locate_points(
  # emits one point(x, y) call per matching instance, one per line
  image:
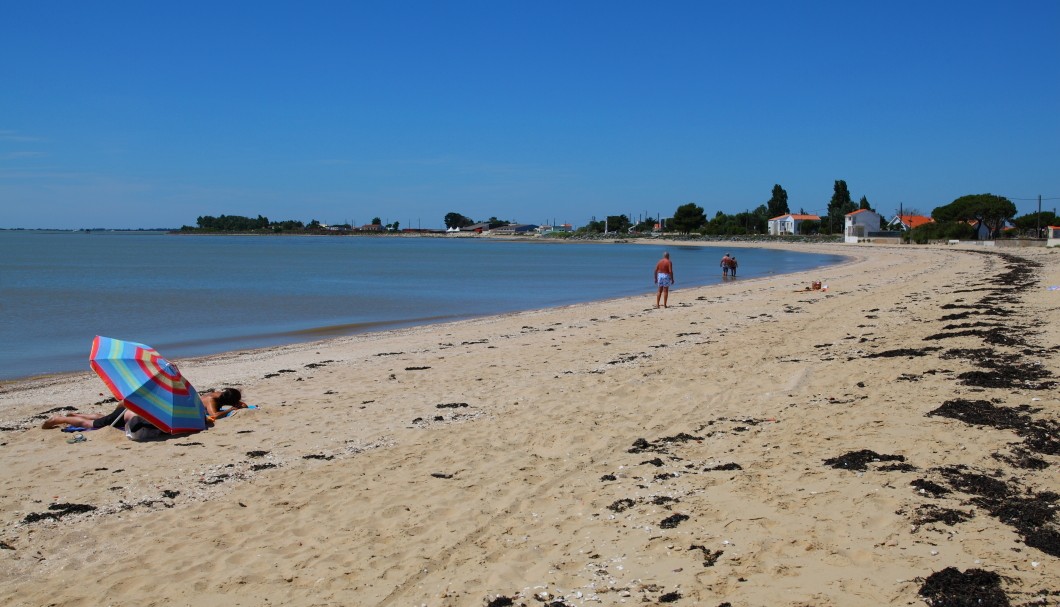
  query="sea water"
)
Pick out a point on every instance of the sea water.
point(194, 295)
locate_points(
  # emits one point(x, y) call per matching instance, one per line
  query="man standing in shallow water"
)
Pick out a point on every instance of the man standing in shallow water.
point(664, 277)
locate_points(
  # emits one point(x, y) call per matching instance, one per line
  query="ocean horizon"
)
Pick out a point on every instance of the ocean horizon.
point(195, 295)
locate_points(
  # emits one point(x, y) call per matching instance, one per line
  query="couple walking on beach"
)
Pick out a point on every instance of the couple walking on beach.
point(728, 264)
point(664, 275)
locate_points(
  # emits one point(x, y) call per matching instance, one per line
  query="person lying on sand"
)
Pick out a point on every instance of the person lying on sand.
point(213, 401)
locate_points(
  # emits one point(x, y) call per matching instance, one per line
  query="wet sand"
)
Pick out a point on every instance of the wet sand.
point(891, 440)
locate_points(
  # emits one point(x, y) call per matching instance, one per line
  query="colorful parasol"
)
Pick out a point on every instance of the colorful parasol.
point(148, 385)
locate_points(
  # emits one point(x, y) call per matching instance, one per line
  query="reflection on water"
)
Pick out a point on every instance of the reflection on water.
point(194, 295)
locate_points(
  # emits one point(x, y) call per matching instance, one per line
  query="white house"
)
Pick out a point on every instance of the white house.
point(563, 227)
point(1052, 233)
point(859, 224)
point(789, 224)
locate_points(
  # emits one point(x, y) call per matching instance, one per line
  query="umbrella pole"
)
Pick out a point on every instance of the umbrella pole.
point(114, 424)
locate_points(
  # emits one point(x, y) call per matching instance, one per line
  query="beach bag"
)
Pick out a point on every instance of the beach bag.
point(138, 429)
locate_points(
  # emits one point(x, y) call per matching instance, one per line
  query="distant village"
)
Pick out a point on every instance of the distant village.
point(977, 217)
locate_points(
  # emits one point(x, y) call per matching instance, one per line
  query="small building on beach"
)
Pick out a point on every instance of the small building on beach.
point(1052, 235)
point(857, 226)
point(513, 228)
point(788, 224)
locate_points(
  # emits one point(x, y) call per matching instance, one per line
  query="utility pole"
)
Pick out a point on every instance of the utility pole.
point(1038, 229)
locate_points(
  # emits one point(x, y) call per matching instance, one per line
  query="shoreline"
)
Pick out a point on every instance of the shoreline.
point(339, 331)
point(599, 453)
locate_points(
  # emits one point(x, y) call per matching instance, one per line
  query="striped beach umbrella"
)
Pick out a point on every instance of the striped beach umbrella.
point(148, 385)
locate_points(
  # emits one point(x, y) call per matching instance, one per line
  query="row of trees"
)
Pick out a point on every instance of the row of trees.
point(457, 220)
point(968, 217)
point(689, 218)
point(239, 223)
point(964, 218)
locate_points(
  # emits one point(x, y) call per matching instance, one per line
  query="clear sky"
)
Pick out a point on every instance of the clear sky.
point(145, 114)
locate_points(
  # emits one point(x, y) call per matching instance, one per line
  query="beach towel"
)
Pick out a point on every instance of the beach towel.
point(228, 411)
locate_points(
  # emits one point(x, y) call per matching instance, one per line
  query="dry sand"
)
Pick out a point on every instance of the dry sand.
point(607, 454)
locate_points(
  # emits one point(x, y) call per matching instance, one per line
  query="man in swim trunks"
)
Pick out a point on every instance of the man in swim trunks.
point(726, 262)
point(664, 277)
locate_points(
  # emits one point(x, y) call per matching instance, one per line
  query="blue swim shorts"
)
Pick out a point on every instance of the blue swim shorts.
point(665, 280)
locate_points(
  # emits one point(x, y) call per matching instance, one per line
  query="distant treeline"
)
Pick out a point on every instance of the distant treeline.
point(238, 223)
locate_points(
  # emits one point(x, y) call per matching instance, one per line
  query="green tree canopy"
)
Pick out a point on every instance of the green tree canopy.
point(232, 223)
point(688, 218)
point(618, 223)
point(778, 203)
point(1033, 221)
point(984, 209)
point(456, 220)
point(840, 205)
point(494, 222)
point(376, 221)
point(864, 204)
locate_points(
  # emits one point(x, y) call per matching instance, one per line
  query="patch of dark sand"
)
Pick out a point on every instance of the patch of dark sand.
point(1021, 458)
point(58, 511)
point(709, 558)
point(664, 500)
point(1032, 514)
point(910, 352)
point(970, 325)
point(1039, 435)
point(673, 521)
point(929, 487)
point(859, 460)
point(951, 588)
point(900, 467)
point(723, 467)
point(995, 336)
point(929, 513)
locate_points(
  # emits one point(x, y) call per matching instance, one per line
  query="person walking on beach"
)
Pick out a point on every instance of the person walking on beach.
point(725, 264)
point(664, 277)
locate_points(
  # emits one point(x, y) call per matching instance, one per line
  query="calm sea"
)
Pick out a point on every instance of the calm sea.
point(195, 295)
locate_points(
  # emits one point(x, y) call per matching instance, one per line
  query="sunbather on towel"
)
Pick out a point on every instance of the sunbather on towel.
point(214, 401)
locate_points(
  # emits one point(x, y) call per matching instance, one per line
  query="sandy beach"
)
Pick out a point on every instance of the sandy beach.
point(755, 443)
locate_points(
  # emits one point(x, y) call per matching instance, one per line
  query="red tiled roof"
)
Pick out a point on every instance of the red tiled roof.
point(915, 220)
point(797, 216)
point(860, 211)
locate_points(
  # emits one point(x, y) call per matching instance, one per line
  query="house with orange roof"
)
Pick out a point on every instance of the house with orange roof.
point(788, 224)
point(860, 224)
point(908, 222)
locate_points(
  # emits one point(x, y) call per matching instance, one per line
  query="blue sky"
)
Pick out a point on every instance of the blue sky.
point(148, 114)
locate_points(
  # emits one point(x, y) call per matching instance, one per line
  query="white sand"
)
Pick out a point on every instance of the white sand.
point(407, 503)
